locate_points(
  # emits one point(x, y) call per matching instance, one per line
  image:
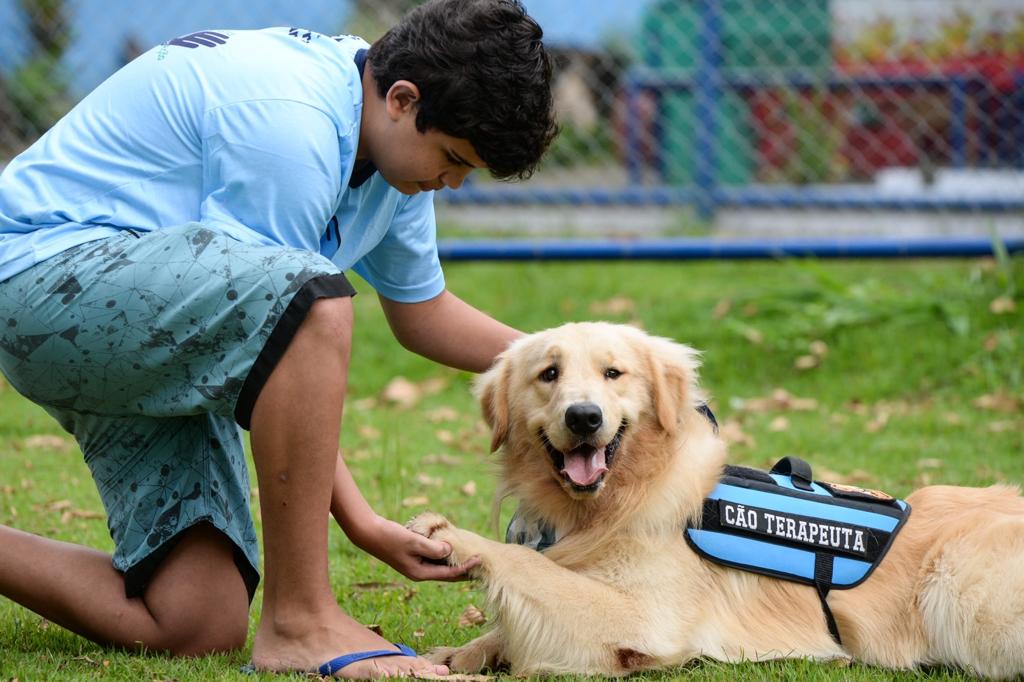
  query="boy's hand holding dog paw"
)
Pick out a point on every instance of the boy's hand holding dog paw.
point(412, 554)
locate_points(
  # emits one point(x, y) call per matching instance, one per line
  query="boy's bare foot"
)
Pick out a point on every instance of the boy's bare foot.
point(305, 646)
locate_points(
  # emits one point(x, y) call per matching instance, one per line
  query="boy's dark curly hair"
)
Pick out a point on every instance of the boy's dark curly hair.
point(483, 76)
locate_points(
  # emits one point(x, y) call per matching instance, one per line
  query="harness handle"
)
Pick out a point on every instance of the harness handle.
point(798, 471)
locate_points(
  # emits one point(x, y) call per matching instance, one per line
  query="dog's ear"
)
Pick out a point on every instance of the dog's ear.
point(673, 371)
point(492, 391)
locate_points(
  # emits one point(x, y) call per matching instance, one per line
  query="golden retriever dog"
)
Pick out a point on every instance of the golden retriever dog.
point(601, 439)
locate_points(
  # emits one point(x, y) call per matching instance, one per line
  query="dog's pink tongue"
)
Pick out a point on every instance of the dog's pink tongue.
point(584, 465)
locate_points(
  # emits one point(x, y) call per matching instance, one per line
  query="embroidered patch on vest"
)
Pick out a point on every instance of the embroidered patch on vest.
point(841, 538)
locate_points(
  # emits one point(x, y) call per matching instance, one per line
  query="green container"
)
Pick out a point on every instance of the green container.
point(757, 36)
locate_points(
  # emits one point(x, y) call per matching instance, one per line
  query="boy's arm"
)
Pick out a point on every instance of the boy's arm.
point(409, 553)
point(448, 330)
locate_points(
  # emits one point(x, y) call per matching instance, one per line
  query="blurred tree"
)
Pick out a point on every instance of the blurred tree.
point(34, 95)
point(370, 19)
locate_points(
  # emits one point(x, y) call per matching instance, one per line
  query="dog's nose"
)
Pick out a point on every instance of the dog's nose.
point(583, 418)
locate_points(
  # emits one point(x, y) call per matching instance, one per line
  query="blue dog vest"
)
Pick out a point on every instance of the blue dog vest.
point(782, 524)
point(786, 525)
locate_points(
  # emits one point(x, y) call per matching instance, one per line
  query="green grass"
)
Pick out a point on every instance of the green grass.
point(911, 347)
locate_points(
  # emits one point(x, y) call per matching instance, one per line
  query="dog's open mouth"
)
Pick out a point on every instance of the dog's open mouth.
point(584, 466)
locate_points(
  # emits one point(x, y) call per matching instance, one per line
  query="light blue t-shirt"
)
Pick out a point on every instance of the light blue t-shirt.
point(252, 133)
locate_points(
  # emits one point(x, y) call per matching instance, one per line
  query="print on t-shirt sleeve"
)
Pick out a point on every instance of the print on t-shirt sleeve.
point(204, 38)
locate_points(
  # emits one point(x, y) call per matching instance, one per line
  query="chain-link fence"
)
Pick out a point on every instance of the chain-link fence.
point(723, 114)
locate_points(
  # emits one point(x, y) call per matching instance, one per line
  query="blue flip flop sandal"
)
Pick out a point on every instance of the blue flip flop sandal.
point(335, 664)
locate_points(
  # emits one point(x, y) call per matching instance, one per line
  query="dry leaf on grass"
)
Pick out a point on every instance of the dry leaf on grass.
point(619, 305)
point(805, 362)
point(373, 585)
point(426, 479)
point(985, 472)
point(875, 425)
point(731, 432)
point(472, 616)
point(364, 404)
point(825, 474)
point(818, 348)
point(930, 463)
point(400, 391)
point(446, 460)
point(404, 393)
point(58, 505)
point(433, 385)
point(1001, 426)
point(753, 335)
point(857, 407)
point(854, 477)
point(47, 442)
point(442, 414)
point(952, 418)
point(1002, 305)
point(445, 436)
point(780, 400)
point(860, 476)
point(997, 402)
point(418, 501)
point(779, 424)
point(469, 489)
point(991, 342)
point(453, 677)
point(878, 423)
point(368, 432)
point(722, 309)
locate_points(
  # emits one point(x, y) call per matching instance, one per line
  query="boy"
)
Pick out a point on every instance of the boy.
point(171, 258)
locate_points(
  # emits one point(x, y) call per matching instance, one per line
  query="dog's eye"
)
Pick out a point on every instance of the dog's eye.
point(549, 374)
point(612, 373)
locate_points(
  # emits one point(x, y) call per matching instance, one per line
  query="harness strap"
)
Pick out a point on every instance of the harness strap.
point(822, 584)
point(797, 469)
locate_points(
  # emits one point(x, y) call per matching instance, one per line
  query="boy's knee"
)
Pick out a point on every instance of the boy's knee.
point(193, 627)
point(198, 598)
point(207, 633)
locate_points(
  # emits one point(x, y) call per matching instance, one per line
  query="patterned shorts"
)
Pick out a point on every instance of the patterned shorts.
point(152, 349)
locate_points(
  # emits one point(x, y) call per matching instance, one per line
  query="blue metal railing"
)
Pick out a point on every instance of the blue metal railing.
point(750, 196)
point(705, 249)
point(707, 82)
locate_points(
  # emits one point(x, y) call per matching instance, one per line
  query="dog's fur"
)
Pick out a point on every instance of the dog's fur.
point(622, 590)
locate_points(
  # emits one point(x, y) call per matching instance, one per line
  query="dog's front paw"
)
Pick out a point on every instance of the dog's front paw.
point(464, 544)
point(480, 655)
point(428, 524)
